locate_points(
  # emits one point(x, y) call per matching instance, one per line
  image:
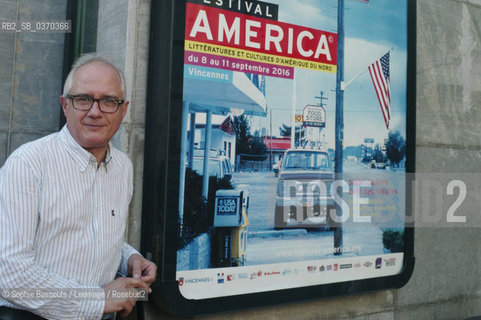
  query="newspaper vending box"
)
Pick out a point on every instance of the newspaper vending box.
point(230, 223)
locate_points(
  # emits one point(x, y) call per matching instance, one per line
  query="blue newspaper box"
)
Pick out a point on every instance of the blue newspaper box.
point(228, 208)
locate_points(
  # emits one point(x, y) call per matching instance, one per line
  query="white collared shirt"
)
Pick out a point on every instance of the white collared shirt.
point(62, 223)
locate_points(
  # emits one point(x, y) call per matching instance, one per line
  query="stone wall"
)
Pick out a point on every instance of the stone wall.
point(30, 74)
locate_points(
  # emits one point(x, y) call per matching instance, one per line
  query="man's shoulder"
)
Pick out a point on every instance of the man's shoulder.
point(40, 146)
point(120, 156)
point(33, 154)
point(117, 153)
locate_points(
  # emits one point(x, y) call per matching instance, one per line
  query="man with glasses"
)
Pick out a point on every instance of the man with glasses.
point(64, 202)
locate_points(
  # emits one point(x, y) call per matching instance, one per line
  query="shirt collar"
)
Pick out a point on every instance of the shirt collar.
point(78, 154)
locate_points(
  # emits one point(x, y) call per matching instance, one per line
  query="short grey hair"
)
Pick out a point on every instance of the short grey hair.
point(91, 58)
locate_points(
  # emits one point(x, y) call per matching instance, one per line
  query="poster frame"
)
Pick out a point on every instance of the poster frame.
point(161, 177)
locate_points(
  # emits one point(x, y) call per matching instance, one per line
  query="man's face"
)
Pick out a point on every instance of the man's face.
point(93, 129)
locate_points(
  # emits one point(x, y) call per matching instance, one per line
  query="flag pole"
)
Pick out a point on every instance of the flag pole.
point(344, 85)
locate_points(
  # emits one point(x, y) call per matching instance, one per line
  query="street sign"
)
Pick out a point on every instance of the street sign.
point(314, 116)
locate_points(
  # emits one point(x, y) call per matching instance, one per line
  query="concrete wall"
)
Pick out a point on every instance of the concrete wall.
point(123, 36)
point(30, 74)
point(196, 255)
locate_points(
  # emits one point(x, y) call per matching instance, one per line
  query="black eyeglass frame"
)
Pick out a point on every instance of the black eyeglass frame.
point(72, 96)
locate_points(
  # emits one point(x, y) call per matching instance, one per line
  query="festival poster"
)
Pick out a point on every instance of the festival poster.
point(279, 208)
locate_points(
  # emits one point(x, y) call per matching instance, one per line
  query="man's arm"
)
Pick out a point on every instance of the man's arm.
point(123, 285)
point(126, 252)
point(135, 265)
point(143, 269)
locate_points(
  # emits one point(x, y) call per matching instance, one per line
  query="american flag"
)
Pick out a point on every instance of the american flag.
point(380, 76)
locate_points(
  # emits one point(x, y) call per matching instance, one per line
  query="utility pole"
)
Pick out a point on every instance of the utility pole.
point(321, 99)
point(339, 132)
point(270, 137)
point(321, 104)
point(339, 90)
point(293, 116)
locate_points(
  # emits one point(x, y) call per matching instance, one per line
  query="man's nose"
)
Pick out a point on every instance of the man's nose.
point(95, 109)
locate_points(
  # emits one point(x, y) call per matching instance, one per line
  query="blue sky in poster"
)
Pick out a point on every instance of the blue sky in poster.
point(370, 30)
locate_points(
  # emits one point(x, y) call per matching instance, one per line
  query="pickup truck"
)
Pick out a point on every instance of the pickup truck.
point(303, 196)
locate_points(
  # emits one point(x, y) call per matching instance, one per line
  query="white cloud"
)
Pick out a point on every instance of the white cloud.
point(359, 54)
point(306, 13)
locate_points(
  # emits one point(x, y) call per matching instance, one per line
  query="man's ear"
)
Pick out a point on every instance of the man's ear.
point(63, 102)
point(125, 106)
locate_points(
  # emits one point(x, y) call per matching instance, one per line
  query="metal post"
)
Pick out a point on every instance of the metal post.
point(207, 137)
point(339, 114)
point(293, 122)
point(270, 137)
point(192, 140)
point(183, 148)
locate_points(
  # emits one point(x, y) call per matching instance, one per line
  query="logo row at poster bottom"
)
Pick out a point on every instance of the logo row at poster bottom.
point(221, 282)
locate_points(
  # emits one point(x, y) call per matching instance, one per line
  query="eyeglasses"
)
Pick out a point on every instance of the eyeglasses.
point(84, 103)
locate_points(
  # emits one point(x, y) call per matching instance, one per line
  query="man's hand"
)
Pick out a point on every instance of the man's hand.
point(141, 268)
point(122, 305)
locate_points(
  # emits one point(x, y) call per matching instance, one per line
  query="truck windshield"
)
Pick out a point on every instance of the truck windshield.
point(214, 167)
point(306, 160)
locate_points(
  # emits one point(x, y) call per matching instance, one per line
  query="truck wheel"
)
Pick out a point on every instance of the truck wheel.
point(329, 221)
point(279, 222)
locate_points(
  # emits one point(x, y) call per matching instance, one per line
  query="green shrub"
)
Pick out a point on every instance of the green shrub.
point(393, 240)
point(198, 213)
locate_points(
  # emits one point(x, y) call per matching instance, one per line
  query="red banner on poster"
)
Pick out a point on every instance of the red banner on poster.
point(276, 42)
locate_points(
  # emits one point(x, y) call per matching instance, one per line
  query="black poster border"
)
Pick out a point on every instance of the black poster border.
point(161, 177)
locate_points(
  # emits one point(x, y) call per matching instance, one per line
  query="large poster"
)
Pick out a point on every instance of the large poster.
point(294, 144)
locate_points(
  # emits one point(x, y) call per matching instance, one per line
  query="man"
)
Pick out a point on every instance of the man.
point(64, 202)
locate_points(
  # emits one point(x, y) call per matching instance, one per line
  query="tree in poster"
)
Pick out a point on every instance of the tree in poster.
point(198, 211)
point(246, 144)
point(377, 153)
point(395, 147)
point(242, 129)
point(257, 147)
point(285, 131)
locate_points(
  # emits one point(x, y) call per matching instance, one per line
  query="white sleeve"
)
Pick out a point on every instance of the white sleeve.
point(126, 251)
